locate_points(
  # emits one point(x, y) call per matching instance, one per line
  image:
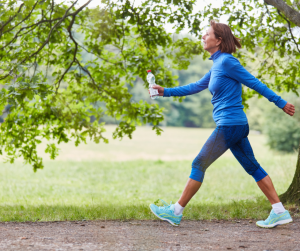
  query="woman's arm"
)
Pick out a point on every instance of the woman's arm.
point(235, 70)
point(189, 89)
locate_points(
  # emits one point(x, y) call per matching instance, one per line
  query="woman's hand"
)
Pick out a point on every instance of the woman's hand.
point(289, 109)
point(160, 90)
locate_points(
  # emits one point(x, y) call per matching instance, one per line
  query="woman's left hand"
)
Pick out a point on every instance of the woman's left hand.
point(289, 109)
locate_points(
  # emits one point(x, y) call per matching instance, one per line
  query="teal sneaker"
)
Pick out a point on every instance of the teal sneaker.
point(166, 213)
point(275, 220)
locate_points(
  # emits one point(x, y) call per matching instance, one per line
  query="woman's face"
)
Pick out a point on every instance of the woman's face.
point(210, 42)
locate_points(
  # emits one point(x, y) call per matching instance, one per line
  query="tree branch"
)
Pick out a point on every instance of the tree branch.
point(87, 72)
point(10, 19)
point(35, 68)
point(289, 12)
point(80, 9)
point(74, 56)
point(23, 19)
point(41, 22)
point(289, 29)
point(49, 35)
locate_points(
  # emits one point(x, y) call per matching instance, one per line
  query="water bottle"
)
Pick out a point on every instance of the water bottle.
point(151, 81)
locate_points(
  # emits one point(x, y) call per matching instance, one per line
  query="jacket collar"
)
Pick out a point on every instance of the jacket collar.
point(215, 55)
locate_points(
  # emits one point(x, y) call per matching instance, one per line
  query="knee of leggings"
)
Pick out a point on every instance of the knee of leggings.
point(196, 163)
point(197, 174)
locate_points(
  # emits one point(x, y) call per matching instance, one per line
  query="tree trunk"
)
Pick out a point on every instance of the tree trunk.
point(288, 11)
point(292, 195)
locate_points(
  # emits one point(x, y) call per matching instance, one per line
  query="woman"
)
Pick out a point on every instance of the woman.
point(224, 82)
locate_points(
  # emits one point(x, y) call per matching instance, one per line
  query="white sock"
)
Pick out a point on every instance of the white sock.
point(178, 209)
point(278, 208)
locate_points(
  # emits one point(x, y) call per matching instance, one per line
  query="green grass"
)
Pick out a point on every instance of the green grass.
point(97, 188)
point(244, 209)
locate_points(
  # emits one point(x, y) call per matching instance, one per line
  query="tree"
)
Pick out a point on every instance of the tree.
point(270, 32)
point(53, 92)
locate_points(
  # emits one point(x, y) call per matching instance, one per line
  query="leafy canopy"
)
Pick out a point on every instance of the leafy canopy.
point(53, 91)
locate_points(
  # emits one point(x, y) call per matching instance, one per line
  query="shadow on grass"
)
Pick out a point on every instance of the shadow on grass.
point(242, 209)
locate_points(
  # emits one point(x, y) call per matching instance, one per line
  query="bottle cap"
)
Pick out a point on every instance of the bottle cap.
point(148, 70)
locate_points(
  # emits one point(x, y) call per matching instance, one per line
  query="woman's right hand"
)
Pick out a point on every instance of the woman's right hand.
point(289, 109)
point(160, 90)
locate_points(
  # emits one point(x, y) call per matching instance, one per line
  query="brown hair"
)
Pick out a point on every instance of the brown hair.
point(228, 42)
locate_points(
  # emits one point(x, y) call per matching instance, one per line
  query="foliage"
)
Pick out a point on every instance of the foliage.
point(38, 40)
point(283, 135)
point(41, 41)
point(265, 117)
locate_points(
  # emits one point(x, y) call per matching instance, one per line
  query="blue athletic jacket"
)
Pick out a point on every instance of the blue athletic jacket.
point(224, 83)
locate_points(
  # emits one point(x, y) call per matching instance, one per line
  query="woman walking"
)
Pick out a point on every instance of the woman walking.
point(224, 82)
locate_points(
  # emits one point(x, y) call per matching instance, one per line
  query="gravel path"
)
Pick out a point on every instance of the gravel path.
point(147, 235)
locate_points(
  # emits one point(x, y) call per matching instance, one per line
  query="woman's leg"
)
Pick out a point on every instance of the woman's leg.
point(218, 143)
point(243, 152)
point(268, 189)
point(222, 138)
point(213, 148)
point(191, 187)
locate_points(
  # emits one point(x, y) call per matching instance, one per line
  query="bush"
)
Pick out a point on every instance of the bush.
point(283, 135)
point(283, 131)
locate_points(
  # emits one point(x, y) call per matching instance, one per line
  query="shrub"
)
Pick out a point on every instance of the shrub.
point(283, 131)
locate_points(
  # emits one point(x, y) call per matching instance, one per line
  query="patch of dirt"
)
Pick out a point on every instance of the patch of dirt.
point(147, 235)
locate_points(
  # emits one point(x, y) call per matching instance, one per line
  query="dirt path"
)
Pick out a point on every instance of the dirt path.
point(147, 235)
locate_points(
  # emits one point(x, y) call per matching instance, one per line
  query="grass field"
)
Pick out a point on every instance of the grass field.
point(120, 180)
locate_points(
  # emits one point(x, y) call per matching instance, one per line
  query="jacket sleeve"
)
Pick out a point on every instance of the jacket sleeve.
point(189, 89)
point(236, 71)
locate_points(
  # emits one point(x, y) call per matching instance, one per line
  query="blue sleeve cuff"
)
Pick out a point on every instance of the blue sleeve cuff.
point(281, 103)
point(167, 92)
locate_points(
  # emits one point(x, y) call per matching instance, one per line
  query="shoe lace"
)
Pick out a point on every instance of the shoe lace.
point(166, 205)
point(267, 220)
point(269, 217)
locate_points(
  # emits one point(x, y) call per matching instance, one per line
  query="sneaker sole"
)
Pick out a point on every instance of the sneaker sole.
point(282, 222)
point(172, 223)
